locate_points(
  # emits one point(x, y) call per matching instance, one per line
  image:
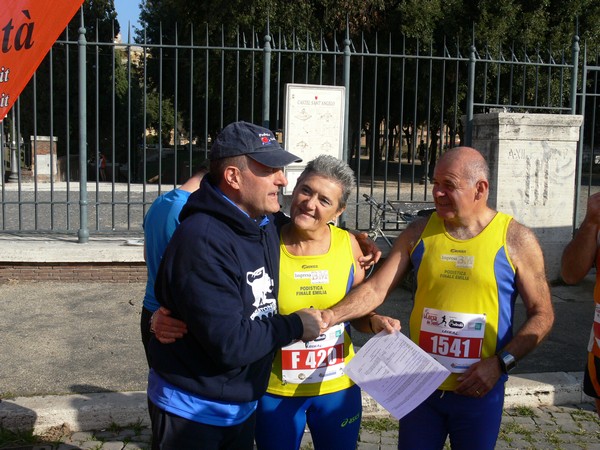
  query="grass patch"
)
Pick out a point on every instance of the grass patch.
point(137, 427)
point(52, 436)
point(524, 411)
point(513, 428)
point(580, 414)
point(114, 428)
point(7, 395)
point(378, 425)
point(552, 438)
point(9, 438)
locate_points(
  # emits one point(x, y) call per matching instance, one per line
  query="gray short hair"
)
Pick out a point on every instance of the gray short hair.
point(335, 169)
point(217, 166)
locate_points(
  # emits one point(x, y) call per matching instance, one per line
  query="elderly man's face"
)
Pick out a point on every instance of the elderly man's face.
point(454, 195)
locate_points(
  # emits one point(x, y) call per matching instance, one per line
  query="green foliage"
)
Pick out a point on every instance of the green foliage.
point(100, 21)
point(524, 411)
point(10, 438)
point(420, 19)
point(160, 116)
point(525, 26)
point(540, 23)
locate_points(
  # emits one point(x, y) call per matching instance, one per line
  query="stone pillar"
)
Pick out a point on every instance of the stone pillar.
point(43, 151)
point(532, 160)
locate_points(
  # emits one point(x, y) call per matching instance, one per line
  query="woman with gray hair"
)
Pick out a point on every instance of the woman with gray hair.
point(318, 266)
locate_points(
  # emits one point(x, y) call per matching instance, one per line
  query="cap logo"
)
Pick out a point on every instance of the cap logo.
point(266, 138)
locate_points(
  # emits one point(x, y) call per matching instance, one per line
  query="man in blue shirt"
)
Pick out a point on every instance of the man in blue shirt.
point(160, 223)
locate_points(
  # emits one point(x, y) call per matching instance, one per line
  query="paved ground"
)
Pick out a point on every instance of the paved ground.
point(548, 427)
point(80, 343)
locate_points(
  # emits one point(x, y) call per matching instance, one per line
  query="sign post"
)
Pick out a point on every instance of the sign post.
point(314, 125)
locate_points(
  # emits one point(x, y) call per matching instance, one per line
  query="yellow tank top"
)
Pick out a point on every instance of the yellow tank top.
point(465, 295)
point(319, 281)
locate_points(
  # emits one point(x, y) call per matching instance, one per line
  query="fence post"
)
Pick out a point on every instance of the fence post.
point(470, 96)
point(84, 232)
point(266, 119)
point(347, 42)
point(575, 74)
point(345, 149)
point(15, 149)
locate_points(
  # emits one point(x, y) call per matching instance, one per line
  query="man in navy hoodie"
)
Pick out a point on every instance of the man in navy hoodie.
point(219, 274)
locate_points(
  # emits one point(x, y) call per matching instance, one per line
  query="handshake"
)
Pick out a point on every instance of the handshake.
point(315, 322)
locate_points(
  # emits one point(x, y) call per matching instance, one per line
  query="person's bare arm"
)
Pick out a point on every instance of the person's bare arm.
point(526, 255)
point(370, 294)
point(370, 252)
point(372, 322)
point(579, 254)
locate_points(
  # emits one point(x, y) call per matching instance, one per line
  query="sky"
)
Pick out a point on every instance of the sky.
point(127, 11)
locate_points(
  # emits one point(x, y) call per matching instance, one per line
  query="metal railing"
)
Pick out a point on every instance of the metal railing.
point(153, 108)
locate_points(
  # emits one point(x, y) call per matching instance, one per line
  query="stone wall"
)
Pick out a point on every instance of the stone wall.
point(532, 160)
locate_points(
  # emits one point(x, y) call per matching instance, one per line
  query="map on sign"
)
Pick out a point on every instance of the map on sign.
point(314, 125)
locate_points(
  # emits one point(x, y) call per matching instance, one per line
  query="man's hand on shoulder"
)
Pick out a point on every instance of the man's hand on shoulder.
point(166, 329)
point(371, 253)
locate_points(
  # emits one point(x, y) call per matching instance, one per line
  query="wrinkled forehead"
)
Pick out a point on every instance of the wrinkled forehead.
point(319, 182)
point(450, 168)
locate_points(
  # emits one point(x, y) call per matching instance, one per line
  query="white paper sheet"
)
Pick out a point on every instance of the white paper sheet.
point(396, 372)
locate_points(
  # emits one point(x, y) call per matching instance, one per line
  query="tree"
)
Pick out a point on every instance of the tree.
point(516, 28)
point(55, 84)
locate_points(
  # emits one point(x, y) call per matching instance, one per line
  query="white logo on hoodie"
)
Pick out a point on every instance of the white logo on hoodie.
point(262, 290)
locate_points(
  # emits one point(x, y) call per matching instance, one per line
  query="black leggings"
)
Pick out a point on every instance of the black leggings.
point(171, 432)
point(145, 329)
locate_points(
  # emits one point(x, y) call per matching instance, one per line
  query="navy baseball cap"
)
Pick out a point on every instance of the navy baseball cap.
point(244, 138)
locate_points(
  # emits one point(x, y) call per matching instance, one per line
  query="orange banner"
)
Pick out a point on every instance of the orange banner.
point(28, 28)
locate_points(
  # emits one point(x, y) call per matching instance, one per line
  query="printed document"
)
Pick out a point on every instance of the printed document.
point(396, 372)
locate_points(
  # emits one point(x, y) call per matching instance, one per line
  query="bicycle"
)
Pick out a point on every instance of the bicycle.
point(402, 213)
point(396, 213)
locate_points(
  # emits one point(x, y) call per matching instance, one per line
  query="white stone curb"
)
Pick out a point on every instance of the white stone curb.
point(84, 412)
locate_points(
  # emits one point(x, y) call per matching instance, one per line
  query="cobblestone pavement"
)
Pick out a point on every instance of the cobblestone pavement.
point(546, 427)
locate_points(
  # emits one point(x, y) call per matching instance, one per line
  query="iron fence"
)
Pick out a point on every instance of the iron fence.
point(150, 110)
